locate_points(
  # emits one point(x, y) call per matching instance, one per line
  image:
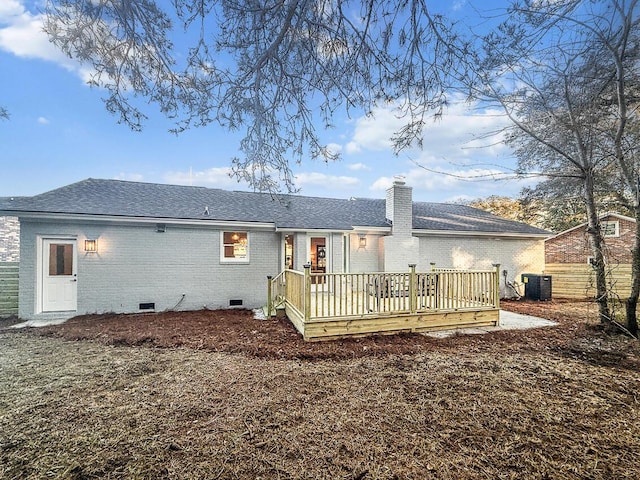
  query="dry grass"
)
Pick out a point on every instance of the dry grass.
point(511, 405)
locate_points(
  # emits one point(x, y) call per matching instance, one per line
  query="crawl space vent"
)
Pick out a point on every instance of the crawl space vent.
point(235, 303)
point(147, 306)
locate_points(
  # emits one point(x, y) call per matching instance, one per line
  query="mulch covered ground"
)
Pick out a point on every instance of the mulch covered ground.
point(221, 395)
point(237, 331)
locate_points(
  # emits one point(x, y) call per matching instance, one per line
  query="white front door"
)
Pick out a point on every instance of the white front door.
point(59, 275)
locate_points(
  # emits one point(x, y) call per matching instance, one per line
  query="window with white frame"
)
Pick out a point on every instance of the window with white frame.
point(610, 229)
point(235, 247)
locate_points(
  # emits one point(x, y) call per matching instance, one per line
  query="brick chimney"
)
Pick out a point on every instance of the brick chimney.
point(399, 206)
point(400, 248)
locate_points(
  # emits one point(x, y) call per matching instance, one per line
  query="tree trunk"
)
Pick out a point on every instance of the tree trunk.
point(595, 235)
point(632, 301)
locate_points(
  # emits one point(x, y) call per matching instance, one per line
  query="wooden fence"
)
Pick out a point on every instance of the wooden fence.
point(331, 305)
point(9, 288)
point(577, 280)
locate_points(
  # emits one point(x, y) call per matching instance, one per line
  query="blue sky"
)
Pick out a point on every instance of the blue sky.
point(60, 132)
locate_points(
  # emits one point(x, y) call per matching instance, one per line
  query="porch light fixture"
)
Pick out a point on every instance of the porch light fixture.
point(362, 240)
point(91, 246)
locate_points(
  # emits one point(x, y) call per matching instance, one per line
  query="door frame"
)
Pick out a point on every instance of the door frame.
point(328, 254)
point(41, 255)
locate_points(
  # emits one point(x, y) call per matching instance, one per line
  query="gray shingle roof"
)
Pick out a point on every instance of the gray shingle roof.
point(144, 200)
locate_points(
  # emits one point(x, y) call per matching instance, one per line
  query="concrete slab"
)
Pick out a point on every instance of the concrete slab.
point(517, 321)
point(508, 321)
point(39, 323)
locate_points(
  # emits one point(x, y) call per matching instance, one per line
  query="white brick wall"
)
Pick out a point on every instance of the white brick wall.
point(364, 259)
point(399, 252)
point(135, 264)
point(517, 256)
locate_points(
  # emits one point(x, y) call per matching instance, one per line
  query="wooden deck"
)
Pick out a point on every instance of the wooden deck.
point(335, 305)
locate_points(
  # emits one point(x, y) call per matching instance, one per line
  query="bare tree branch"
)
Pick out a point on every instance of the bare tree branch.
point(271, 69)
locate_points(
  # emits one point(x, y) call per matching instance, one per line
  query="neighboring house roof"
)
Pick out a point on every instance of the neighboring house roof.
point(116, 198)
point(584, 224)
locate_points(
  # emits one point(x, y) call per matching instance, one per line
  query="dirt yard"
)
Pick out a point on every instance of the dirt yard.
point(223, 395)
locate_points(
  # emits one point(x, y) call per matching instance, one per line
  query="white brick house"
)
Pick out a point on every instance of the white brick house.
point(113, 246)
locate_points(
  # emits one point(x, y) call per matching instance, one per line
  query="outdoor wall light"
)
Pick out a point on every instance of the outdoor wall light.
point(362, 240)
point(91, 246)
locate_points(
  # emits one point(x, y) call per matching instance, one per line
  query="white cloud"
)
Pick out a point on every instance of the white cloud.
point(332, 182)
point(43, 120)
point(353, 147)
point(458, 5)
point(358, 167)
point(334, 148)
point(373, 132)
point(21, 34)
point(382, 183)
point(212, 177)
point(464, 131)
point(451, 182)
point(10, 8)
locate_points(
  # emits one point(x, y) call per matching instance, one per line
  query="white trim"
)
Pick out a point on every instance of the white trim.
point(40, 256)
point(621, 217)
point(365, 229)
point(458, 233)
point(140, 220)
point(311, 230)
point(616, 228)
point(237, 225)
point(328, 268)
point(245, 260)
point(346, 253)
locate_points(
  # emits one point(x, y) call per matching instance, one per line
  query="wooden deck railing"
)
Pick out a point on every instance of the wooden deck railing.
point(344, 295)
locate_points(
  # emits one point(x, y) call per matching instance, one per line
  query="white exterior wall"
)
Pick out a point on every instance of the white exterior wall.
point(135, 264)
point(299, 250)
point(400, 252)
point(337, 252)
point(514, 255)
point(364, 259)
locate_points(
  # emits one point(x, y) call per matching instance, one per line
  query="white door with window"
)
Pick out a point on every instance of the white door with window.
point(59, 275)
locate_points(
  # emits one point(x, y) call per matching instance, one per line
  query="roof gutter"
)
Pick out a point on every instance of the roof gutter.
point(311, 230)
point(460, 233)
point(44, 216)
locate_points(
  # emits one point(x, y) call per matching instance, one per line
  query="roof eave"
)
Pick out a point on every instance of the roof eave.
point(43, 216)
point(463, 233)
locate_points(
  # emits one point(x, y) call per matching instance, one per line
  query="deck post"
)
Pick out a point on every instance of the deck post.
point(307, 292)
point(497, 285)
point(269, 293)
point(413, 297)
point(433, 266)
